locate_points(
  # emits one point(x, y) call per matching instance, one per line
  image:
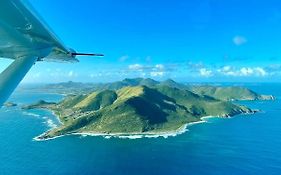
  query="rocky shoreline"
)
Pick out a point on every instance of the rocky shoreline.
point(184, 128)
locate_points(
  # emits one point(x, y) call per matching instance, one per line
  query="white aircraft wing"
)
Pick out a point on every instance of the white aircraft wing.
point(26, 38)
point(23, 32)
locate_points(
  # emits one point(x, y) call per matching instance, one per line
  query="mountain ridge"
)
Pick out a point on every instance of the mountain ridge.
point(219, 92)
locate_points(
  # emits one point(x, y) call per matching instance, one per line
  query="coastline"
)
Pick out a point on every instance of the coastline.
point(179, 131)
point(183, 129)
point(165, 135)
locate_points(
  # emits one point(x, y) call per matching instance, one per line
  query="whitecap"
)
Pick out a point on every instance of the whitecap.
point(31, 114)
point(50, 123)
point(132, 136)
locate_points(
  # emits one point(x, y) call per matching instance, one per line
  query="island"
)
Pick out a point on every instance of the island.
point(144, 107)
point(40, 104)
point(10, 104)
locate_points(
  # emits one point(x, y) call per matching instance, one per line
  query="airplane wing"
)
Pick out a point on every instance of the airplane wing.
point(26, 38)
point(23, 32)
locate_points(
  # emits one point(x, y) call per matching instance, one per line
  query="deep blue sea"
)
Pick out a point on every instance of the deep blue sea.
point(244, 145)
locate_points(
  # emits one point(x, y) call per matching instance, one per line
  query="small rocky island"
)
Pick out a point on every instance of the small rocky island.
point(10, 104)
point(144, 106)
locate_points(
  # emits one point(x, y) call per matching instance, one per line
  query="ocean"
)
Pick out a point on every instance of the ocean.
point(245, 144)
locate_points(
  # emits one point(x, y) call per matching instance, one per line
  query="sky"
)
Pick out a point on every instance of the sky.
point(190, 41)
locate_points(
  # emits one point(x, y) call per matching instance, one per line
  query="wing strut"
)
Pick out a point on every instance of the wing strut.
point(12, 76)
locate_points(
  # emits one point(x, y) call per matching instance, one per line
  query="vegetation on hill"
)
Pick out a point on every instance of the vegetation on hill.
point(142, 109)
point(230, 93)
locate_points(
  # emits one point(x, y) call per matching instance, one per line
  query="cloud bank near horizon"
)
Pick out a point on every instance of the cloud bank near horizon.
point(180, 71)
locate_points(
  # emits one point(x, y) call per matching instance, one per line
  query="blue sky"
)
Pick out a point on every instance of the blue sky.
point(206, 40)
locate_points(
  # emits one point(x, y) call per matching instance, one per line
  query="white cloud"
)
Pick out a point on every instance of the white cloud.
point(159, 67)
point(226, 68)
point(274, 69)
point(72, 74)
point(156, 74)
point(96, 75)
point(242, 72)
point(205, 73)
point(152, 70)
point(261, 71)
point(137, 67)
point(245, 71)
point(239, 40)
point(147, 68)
point(228, 71)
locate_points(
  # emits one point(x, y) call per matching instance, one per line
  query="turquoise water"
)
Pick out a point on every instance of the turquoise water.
point(240, 145)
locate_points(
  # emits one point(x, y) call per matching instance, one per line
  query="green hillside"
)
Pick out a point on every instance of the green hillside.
point(230, 93)
point(200, 104)
point(95, 101)
point(136, 110)
point(172, 83)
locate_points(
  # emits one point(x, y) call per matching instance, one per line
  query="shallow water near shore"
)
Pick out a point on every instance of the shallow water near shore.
point(245, 144)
